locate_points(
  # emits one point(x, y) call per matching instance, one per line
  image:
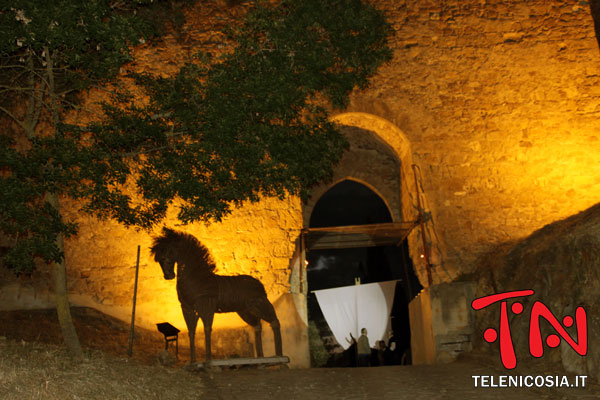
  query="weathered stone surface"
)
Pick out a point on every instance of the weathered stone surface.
point(501, 130)
point(561, 263)
point(496, 102)
point(441, 322)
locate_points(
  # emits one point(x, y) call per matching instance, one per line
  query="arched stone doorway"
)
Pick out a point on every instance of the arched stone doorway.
point(352, 203)
point(380, 157)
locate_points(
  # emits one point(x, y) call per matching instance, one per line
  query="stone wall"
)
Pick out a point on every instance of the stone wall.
point(495, 101)
point(441, 322)
point(561, 264)
point(499, 101)
point(369, 161)
point(257, 240)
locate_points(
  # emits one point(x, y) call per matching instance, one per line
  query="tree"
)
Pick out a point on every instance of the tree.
point(50, 53)
point(221, 131)
point(253, 122)
point(595, 10)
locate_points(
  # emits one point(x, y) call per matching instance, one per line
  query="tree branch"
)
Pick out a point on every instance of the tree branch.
point(31, 107)
point(7, 88)
point(51, 87)
point(23, 126)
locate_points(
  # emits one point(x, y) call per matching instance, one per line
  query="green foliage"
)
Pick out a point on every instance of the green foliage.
point(88, 40)
point(249, 124)
point(318, 352)
point(49, 52)
point(252, 123)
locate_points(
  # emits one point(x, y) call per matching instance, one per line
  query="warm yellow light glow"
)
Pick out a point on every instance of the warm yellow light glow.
point(238, 245)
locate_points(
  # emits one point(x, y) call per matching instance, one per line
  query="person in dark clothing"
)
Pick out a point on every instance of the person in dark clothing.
point(364, 350)
point(392, 352)
point(380, 349)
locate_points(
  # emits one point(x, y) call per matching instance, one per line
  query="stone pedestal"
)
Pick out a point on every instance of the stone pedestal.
point(441, 323)
point(292, 313)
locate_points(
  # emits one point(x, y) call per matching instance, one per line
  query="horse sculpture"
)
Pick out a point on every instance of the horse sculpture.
point(202, 293)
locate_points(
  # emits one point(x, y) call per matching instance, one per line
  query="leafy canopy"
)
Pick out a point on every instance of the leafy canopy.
point(253, 122)
point(50, 52)
point(250, 123)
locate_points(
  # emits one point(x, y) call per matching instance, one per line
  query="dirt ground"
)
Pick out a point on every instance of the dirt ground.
point(33, 365)
point(97, 331)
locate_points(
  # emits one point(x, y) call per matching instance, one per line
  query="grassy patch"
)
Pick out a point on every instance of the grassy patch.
point(44, 371)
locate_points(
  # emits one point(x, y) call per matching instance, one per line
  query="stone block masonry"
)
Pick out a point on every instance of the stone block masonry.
point(499, 100)
point(497, 103)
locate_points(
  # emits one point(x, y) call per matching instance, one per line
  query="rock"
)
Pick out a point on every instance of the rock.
point(512, 37)
point(166, 358)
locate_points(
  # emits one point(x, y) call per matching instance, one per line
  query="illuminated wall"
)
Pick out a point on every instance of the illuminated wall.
point(257, 240)
point(497, 102)
point(500, 103)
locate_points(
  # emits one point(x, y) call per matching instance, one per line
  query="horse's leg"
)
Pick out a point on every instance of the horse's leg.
point(207, 320)
point(258, 339)
point(191, 320)
point(254, 322)
point(270, 316)
point(277, 336)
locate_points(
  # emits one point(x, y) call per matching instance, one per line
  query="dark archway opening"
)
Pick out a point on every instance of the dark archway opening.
point(352, 203)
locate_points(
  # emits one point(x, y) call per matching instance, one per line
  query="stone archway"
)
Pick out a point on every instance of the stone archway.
point(370, 260)
point(380, 157)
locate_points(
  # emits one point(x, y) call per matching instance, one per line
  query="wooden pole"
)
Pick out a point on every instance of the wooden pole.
point(137, 268)
point(302, 260)
point(422, 221)
point(408, 280)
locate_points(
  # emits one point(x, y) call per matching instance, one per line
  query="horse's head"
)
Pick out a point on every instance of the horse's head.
point(165, 254)
point(167, 263)
point(177, 247)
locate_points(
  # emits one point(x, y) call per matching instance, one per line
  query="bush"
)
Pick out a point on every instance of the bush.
point(318, 353)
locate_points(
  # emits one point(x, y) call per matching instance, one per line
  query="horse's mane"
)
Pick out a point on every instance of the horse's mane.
point(190, 251)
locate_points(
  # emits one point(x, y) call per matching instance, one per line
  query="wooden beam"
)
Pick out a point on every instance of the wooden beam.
point(343, 237)
point(238, 362)
point(383, 227)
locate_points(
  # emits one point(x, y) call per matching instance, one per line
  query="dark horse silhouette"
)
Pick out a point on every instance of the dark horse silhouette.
point(202, 293)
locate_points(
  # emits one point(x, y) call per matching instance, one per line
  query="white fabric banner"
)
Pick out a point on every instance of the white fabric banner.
point(348, 309)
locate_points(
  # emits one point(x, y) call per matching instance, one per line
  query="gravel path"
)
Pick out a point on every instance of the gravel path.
point(439, 382)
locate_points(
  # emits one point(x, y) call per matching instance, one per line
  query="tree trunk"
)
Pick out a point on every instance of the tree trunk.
point(63, 308)
point(595, 8)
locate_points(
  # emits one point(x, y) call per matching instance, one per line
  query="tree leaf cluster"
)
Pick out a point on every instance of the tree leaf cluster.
point(88, 39)
point(252, 123)
point(221, 131)
point(50, 53)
